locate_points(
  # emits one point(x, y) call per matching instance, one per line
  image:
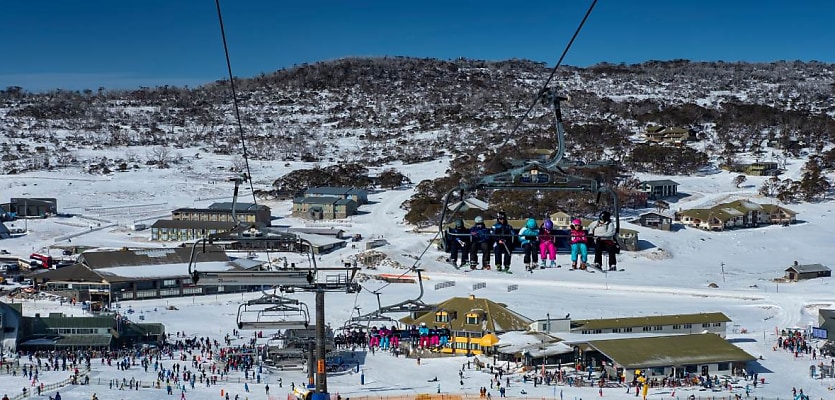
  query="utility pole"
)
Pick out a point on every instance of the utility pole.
point(723, 272)
point(547, 322)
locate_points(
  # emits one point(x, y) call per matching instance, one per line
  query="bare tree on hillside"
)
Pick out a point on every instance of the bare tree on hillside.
point(739, 180)
point(159, 156)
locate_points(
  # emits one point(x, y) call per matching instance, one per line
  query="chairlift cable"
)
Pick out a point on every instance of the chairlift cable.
point(237, 108)
point(550, 77)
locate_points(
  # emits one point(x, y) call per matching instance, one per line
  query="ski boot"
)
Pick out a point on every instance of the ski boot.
point(473, 265)
point(486, 266)
point(507, 269)
point(583, 266)
point(573, 265)
point(613, 268)
point(554, 264)
point(541, 264)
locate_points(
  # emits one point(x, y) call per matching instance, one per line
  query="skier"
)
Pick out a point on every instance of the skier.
point(603, 231)
point(458, 239)
point(503, 236)
point(578, 244)
point(480, 240)
point(529, 237)
point(547, 246)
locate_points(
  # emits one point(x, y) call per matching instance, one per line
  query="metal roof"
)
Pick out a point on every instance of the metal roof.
point(800, 269)
point(339, 190)
point(317, 200)
point(660, 182)
point(743, 206)
point(227, 206)
point(186, 224)
point(771, 208)
point(651, 320)
point(666, 351)
point(148, 256)
point(318, 231)
point(660, 214)
point(56, 322)
point(707, 214)
point(73, 273)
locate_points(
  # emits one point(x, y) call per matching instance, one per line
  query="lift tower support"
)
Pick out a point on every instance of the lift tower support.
point(315, 279)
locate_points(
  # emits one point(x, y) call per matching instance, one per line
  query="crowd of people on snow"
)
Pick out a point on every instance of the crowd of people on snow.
point(538, 243)
point(178, 365)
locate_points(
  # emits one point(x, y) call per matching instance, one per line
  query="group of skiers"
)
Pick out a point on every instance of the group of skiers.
point(537, 241)
point(385, 338)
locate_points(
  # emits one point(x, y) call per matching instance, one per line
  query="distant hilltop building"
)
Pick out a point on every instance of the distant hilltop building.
point(659, 189)
point(669, 135)
point(198, 223)
point(329, 202)
point(222, 212)
point(736, 214)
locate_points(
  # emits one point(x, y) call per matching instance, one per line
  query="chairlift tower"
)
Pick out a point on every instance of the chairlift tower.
point(315, 279)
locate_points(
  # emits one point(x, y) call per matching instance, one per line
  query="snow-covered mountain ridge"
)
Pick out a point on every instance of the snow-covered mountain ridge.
point(378, 110)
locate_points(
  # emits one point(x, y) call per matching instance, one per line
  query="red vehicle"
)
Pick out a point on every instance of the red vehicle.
point(40, 260)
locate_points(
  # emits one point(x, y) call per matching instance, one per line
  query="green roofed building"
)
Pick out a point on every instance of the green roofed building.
point(736, 214)
point(700, 354)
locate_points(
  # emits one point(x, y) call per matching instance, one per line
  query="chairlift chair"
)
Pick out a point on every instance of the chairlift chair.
point(415, 305)
point(283, 314)
point(534, 175)
point(371, 319)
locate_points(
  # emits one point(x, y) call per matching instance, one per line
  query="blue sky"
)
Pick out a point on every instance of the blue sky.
point(130, 43)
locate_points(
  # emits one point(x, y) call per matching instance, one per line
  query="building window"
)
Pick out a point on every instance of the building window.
point(646, 329)
point(706, 325)
point(688, 326)
point(616, 330)
point(472, 319)
point(676, 326)
point(723, 366)
point(627, 329)
point(442, 316)
point(658, 327)
point(585, 332)
point(598, 331)
point(717, 324)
